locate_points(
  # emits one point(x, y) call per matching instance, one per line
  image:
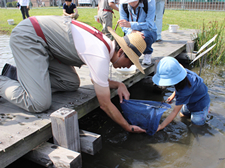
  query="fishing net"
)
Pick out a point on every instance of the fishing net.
point(144, 113)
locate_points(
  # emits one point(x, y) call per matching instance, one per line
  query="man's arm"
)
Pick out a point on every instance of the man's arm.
point(64, 13)
point(113, 6)
point(123, 16)
point(76, 11)
point(103, 95)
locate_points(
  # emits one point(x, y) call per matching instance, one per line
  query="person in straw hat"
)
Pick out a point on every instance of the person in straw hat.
point(45, 63)
point(191, 94)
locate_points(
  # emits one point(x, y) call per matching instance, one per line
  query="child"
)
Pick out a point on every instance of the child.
point(68, 9)
point(191, 93)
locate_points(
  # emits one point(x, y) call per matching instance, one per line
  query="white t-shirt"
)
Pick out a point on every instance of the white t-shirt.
point(94, 53)
point(24, 2)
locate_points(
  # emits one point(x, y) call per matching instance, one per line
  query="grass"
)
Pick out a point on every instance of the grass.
point(185, 19)
point(217, 55)
point(198, 20)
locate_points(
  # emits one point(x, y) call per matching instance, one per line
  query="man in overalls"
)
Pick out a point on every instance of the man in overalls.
point(105, 12)
point(46, 49)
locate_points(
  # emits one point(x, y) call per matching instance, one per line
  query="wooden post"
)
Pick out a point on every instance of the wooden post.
point(65, 129)
point(91, 143)
point(53, 156)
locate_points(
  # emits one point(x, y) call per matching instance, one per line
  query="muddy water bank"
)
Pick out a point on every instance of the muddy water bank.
point(179, 145)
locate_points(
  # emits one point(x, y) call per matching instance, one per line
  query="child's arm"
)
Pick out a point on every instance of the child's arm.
point(170, 117)
point(171, 97)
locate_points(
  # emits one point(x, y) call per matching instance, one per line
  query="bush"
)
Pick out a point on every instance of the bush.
point(14, 3)
point(9, 4)
point(217, 55)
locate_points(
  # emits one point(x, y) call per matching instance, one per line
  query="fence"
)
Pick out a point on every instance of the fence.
point(213, 5)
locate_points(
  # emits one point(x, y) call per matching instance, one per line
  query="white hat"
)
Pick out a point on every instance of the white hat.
point(127, 1)
point(169, 72)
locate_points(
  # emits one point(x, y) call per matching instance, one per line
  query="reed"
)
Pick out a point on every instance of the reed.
point(217, 55)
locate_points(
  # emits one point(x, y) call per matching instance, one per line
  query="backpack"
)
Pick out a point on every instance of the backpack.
point(145, 8)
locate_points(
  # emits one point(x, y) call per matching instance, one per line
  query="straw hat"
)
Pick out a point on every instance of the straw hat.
point(134, 50)
point(127, 1)
point(169, 72)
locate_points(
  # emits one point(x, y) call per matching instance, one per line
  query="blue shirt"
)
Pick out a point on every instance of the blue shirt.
point(69, 9)
point(144, 22)
point(196, 97)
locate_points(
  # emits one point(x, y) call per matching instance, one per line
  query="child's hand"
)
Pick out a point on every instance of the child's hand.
point(159, 128)
point(170, 99)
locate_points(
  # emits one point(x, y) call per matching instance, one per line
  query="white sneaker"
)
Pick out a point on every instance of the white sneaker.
point(147, 59)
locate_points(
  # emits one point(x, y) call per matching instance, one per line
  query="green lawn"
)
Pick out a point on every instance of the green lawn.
point(185, 19)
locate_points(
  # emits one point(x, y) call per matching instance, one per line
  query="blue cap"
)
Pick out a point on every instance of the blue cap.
point(169, 72)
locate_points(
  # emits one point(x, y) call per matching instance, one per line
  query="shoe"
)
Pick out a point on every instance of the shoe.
point(147, 59)
point(9, 71)
point(159, 40)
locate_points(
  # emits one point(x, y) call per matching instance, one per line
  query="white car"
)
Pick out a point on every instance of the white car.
point(93, 3)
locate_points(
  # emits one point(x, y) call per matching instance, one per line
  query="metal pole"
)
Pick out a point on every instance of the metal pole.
point(5, 4)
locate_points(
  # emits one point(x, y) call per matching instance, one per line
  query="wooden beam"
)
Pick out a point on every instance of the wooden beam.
point(65, 129)
point(54, 156)
point(21, 147)
point(91, 143)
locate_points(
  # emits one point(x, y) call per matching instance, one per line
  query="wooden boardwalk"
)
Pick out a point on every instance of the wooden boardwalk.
point(21, 131)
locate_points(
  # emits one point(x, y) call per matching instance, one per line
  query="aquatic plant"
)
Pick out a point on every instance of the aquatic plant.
point(217, 55)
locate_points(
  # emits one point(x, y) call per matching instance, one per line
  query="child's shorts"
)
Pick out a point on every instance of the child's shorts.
point(197, 118)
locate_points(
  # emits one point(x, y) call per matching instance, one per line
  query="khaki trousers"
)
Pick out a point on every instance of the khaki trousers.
point(38, 73)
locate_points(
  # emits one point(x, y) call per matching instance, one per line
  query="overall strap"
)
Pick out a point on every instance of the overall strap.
point(37, 28)
point(97, 33)
point(108, 10)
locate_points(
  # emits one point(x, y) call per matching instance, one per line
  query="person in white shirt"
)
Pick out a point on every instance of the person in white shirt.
point(45, 63)
point(24, 7)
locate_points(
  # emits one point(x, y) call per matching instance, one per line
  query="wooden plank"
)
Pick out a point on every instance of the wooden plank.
point(51, 155)
point(20, 148)
point(91, 143)
point(65, 129)
point(15, 132)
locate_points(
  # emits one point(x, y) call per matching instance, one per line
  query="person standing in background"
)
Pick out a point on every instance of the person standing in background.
point(105, 11)
point(24, 7)
point(159, 11)
point(139, 15)
point(68, 9)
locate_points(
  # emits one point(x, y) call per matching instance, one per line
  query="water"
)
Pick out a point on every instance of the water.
point(179, 145)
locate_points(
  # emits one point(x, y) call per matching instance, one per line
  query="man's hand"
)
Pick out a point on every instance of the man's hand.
point(136, 129)
point(98, 20)
point(123, 92)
